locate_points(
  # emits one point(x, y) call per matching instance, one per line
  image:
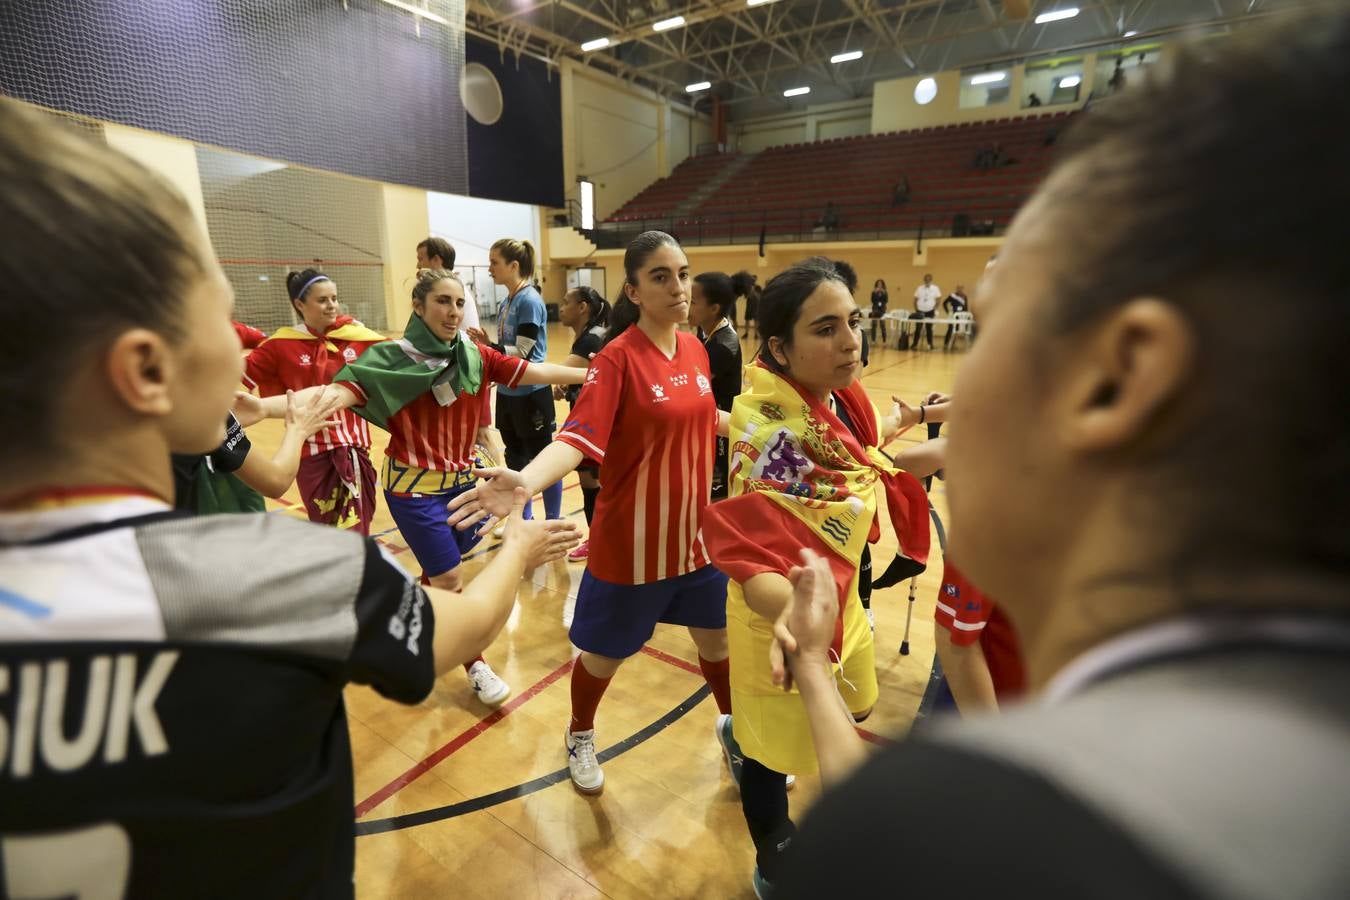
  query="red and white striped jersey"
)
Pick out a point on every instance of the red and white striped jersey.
point(651, 423)
point(426, 435)
point(284, 363)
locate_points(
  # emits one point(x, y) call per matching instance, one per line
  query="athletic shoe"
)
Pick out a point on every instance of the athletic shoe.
point(587, 776)
point(489, 687)
point(761, 885)
point(499, 530)
point(581, 553)
point(730, 748)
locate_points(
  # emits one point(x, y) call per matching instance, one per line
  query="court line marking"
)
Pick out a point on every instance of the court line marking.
point(458, 741)
point(441, 813)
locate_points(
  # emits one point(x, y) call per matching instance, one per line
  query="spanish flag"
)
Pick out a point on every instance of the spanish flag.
point(800, 478)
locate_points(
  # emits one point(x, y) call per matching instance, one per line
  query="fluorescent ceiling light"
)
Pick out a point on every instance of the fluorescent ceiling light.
point(597, 44)
point(759, 2)
point(1131, 33)
point(667, 24)
point(796, 92)
point(850, 56)
point(989, 78)
point(1070, 81)
point(697, 86)
point(1055, 15)
point(419, 12)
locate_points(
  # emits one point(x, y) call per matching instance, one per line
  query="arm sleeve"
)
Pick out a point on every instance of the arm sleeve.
point(392, 651)
point(230, 455)
point(588, 427)
point(587, 345)
point(260, 372)
point(499, 368)
point(249, 338)
point(945, 821)
point(961, 609)
point(527, 335)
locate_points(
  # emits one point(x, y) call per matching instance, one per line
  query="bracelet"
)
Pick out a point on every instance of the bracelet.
point(923, 413)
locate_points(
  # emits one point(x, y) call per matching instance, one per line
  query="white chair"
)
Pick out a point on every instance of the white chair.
point(899, 317)
point(964, 328)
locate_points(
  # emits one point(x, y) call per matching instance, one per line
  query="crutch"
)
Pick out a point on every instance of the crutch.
point(934, 428)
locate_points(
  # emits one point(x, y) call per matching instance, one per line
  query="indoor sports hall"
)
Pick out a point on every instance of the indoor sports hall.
point(466, 245)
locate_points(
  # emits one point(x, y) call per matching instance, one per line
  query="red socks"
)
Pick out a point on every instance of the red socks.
point(586, 693)
point(469, 665)
point(718, 676)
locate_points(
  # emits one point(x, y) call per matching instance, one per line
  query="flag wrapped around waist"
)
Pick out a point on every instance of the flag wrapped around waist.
point(395, 373)
point(801, 478)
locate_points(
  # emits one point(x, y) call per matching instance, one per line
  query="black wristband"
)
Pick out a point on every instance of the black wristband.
point(923, 413)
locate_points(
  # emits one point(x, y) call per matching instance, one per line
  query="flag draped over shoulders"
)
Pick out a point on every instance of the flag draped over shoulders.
point(800, 478)
point(395, 373)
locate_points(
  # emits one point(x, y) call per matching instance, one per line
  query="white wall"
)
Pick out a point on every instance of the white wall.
point(472, 225)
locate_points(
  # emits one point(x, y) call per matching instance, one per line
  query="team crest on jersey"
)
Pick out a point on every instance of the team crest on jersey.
point(659, 394)
point(304, 359)
point(679, 380)
point(349, 354)
point(951, 590)
point(704, 388)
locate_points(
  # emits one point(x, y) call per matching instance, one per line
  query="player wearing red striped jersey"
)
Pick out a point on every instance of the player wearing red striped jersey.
point(647, 415)
point(336, 478)
point(427, 391)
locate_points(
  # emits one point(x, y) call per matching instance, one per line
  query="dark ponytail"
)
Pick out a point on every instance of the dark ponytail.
point(597, 304)
point(625, 312)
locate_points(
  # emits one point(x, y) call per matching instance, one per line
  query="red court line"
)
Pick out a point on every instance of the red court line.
point(459, 741)
point(678, 663)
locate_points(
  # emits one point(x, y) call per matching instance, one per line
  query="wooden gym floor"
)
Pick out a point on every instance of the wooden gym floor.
point(454, 799)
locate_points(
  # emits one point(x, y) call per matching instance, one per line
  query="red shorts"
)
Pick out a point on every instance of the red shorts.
point(970, 616)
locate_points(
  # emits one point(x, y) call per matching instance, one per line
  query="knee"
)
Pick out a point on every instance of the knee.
point(449, 581)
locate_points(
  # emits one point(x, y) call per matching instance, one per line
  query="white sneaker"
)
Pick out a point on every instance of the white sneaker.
point(499, 530)
point(489, 687)
point(587, 776)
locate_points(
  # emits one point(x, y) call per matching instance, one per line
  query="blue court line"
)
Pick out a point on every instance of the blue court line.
point(441, 813)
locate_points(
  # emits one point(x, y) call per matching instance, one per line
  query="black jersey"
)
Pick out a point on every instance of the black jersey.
point(171, 715)
point(585, 347)
point(724, 358)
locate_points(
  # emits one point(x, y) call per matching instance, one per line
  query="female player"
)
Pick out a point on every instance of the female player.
point(806, 471)
point(427, 391)
point(336, 478)
point(647, 415)
point(525, 415)
point(712, 297)
point(587, 313)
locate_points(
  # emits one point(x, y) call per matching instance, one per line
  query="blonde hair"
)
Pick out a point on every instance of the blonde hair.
point(519, 252)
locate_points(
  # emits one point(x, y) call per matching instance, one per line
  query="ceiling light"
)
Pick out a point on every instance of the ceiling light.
point(1055, 15)
point(667, 24)
point(697, 86)
point(796, 92)
point(850, 56)
point(420, 13)
point(1070, 81)
point(597, 44)
point(989, 78)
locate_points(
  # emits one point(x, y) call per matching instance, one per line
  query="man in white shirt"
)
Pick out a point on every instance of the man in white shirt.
point(926, 298)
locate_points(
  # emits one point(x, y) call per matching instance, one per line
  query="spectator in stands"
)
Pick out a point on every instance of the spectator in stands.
point(925, 307)
point(880, 299)
point(900, 193)
point(829, 220)
point(1117, 81)
point(1188, 632)
point(955, 302)
point(1033, 100)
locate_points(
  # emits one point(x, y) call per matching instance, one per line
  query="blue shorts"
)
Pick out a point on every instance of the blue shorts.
point(421, 522)
point(615, 620)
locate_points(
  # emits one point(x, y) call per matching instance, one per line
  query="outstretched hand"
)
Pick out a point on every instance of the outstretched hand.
point(478, 335)
point(541, 540)
point(313, 415)
point(806, 626)
point(491, 498)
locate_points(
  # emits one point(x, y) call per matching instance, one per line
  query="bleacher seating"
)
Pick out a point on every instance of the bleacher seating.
point(785, 189)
